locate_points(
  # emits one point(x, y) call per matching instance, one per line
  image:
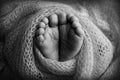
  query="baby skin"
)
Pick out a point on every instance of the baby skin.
point(59, 36)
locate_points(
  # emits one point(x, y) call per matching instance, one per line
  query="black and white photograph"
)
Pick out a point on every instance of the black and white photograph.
point(59, 39)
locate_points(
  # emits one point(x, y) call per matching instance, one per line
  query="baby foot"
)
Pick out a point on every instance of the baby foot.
point(48, 37)
point(71, 36)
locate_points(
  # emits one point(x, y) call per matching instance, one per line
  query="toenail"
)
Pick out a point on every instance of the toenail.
point(45, 20)
point(42, 24)
point(53, 20)
point(41, 30)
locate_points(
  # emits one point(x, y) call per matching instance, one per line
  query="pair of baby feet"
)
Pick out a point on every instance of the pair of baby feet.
point(59, 36)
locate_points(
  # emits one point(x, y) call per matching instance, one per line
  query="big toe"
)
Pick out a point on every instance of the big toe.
point(62, 18)
point(53, 20)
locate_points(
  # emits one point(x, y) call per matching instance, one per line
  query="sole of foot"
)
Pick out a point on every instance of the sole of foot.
point(71, 37)
point(48, 37)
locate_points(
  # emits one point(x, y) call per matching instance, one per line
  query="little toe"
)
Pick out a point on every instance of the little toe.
point(62, 18)
point(53, 19)
point(39, 40)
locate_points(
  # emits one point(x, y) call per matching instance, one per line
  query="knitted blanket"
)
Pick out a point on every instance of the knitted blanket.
point(18, 26)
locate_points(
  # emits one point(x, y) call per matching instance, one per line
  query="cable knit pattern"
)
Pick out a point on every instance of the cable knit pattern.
point(19, 26)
